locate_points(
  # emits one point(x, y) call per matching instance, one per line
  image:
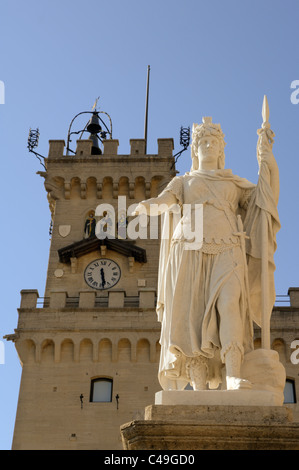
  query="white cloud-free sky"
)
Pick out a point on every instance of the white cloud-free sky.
point(208, 58)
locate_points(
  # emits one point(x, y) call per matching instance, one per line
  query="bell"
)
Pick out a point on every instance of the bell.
point(95, 149)
point(93, 125)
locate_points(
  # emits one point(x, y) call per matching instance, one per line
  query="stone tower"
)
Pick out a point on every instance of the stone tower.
point(89, 348)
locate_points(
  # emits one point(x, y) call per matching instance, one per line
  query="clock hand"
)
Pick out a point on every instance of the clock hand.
point(103, 277)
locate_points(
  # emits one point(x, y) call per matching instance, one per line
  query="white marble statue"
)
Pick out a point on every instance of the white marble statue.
point(208, 298)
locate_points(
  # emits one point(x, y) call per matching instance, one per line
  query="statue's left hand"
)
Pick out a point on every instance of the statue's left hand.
point(264, 150)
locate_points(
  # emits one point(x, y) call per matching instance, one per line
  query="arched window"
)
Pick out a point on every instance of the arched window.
point(101, 390)
point(290, 391)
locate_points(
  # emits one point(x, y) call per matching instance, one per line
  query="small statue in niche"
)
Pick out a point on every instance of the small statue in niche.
point(106, 226)
point(90, 226)
point(122, 224)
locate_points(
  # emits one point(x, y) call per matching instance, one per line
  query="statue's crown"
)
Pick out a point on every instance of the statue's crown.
point(198, 130)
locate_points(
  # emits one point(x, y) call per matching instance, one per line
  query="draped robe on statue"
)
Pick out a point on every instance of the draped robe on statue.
point(191, 280)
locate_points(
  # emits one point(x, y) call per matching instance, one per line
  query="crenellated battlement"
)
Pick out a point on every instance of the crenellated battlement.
point(110, 148)
point(88, 299)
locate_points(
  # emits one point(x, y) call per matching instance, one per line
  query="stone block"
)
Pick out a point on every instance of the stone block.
point(29, 298)
point(87, 299)
point(213, 414)
point(165, 147)
point(83, 148)
point(116, 299)
point(217, 397)
point(56, 148)
point(58, 299)
point(210, 427)
point(294, 296)
point(147, 298)
point(137, 146)
point(110, 146)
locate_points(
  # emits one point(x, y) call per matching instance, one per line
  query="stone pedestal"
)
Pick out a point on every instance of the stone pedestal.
point(218, 397)
point(212, 426)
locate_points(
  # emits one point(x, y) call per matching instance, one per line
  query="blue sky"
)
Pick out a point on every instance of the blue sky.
point(215, 58)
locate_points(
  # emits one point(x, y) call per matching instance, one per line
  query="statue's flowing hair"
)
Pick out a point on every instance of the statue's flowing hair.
point(207, 128)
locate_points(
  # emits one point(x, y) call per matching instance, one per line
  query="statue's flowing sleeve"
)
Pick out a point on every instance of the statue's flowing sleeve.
point(169, 219)
point(261, 209)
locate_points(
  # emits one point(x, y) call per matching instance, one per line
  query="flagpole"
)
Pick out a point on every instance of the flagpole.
point(146, 108)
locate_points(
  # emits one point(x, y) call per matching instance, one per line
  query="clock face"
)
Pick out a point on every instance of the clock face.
point(102, 274)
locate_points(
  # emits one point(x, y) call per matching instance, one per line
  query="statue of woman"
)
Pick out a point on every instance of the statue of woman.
point(209, 297)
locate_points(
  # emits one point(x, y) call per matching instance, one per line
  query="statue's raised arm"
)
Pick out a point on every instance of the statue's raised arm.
point(263, 223)
point(156, 205)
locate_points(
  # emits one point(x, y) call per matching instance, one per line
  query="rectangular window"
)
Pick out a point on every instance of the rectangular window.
point(289, 391)
point(101, 390)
